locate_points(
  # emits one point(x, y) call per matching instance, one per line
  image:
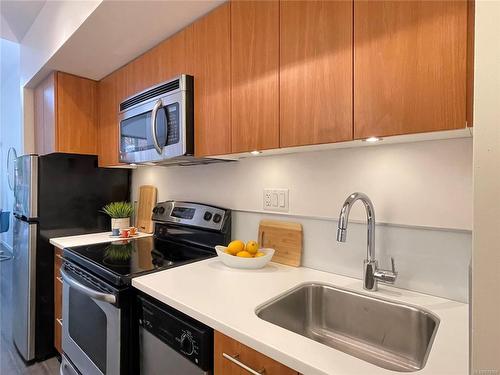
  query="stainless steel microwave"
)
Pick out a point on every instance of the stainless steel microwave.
point(156, 125)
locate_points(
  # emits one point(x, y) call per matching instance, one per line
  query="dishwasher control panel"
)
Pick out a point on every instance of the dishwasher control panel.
point(185, 335)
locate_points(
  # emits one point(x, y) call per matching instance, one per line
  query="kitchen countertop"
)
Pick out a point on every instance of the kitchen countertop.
point(89, 239)
point(225, 299)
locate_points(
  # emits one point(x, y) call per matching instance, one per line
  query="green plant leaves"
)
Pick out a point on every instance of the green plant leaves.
point(118, 210)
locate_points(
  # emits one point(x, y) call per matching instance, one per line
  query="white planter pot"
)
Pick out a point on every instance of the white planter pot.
point(123, 223)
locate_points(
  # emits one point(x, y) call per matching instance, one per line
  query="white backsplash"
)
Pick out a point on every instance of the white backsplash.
point(422, 194)
point(431, 261)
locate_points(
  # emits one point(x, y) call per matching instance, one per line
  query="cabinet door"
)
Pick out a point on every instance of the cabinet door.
point(225, 346)
point(172, 56)
point(409, 66)
point(315, 72)
point(143, 72)
point(208, 60)
point(108, 120)
point(76, 114)
point(162, 62)
point(254, 75)
point(45, 122)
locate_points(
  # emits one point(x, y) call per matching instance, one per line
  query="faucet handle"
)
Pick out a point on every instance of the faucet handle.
point(386, 276)
point(392, 266)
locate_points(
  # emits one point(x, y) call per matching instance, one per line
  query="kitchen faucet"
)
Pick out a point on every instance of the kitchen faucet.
point(371, 273)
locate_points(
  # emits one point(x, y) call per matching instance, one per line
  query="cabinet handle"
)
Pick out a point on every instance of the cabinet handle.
point(59, 278)
point(234, 359)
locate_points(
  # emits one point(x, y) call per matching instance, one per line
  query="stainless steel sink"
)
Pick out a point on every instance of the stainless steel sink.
point(394, 336)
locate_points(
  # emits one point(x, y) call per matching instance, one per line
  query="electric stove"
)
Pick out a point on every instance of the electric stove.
point(100, 332)
point(184, 232)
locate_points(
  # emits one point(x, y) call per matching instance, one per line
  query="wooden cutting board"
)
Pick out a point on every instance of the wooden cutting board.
point(284, 237)
point(147, 201)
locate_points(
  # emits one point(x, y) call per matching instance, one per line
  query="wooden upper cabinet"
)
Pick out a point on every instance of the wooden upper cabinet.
point(162, 62)
point(45, 123)
point(315, 72)
point(66, 115)
point(108, 119)
point(254, 75)
point(410, 66)
point(76, 114)
point(209, 61)
point(245, 356)
point(172, 56)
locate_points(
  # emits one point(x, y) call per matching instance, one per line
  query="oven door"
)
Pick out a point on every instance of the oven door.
point(154, 131)
point(91, 325)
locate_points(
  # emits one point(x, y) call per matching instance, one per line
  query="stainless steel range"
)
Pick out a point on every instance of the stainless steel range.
point(100, 331)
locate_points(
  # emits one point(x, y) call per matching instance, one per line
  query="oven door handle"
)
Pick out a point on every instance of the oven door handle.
point(154, 116)
point(110, 298)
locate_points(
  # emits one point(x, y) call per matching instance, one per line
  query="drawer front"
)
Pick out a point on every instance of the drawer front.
point(234, 358)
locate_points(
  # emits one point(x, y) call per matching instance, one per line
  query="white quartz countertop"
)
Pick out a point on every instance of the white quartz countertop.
point(89, 239)
point(225, 299)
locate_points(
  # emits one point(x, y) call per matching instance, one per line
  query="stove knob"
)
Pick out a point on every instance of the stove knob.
point(187, 345)
point(217, 218)
point(161, 210)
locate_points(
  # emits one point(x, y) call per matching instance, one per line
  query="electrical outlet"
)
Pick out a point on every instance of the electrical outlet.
point(267, 199)
point(276, 200)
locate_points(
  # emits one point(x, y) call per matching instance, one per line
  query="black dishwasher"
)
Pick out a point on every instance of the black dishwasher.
point(171, 342)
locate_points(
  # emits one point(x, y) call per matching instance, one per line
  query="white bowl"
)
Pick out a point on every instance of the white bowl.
point(244, 263)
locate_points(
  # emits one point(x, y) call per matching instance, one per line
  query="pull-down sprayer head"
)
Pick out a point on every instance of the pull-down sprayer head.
point(370, 216)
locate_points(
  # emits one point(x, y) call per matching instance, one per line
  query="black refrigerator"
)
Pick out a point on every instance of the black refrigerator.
point(55, 195)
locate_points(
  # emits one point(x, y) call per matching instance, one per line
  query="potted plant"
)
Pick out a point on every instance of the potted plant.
point(120, 213)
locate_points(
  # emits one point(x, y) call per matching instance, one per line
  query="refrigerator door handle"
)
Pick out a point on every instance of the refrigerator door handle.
point(94, 294)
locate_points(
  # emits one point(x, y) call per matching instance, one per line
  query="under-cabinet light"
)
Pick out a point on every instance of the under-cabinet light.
point(372, 139)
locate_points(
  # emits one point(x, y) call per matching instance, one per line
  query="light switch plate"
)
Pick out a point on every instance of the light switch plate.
point(275, 200)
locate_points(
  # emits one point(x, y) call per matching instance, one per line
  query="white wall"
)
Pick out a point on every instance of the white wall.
point(486, 242)
point(10, 121)
point(423, 190)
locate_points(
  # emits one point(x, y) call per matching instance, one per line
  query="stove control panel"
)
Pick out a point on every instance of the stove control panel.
point(192, 214)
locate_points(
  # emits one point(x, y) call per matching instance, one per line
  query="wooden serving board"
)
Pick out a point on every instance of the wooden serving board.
point(147, 201)
point(284, 237)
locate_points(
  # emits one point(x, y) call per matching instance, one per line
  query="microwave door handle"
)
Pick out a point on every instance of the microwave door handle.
point(105, 297)
point(154, 115)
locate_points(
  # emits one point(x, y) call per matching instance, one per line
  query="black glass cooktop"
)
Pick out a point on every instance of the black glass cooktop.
point(120, 260)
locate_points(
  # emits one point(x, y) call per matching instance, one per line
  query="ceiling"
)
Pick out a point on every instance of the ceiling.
point(17, 17)
point(118, 31)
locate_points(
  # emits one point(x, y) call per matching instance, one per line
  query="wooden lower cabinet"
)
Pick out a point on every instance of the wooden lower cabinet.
point(58, 285)
point(245, 356)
